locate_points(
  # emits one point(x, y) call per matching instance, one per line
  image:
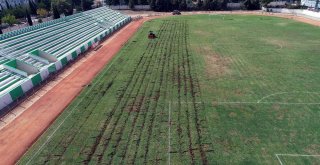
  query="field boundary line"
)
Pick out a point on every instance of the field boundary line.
point(169, 135)
point(293, 155)
point(72, 110)
point(282, 103)
point(253, 102)
point(280, 93)
point(185, 102)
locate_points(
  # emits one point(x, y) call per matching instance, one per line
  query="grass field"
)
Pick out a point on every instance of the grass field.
point(211, 89)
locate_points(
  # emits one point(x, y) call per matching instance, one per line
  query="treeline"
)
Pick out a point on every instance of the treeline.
point(169, 5)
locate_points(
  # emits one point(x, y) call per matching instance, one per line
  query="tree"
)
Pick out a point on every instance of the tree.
point(223, 4)
point(87, 4)
point(252, 4)
point(152, 4)
point(76, 2)
point(33, 7)
point(206, 5)
point(1, 27)
point(18, 12)
point(115, 2)
point(9, 19)
point(143, 2)
point(42, 13)
point(162, 5)
point(41, 5)
point(8, 5)
point(29, 18)
point(215, 5)
point(265, 3)
point(131, 4)
point(99, 4)
point(55, 11)
point(108, 2)
point(45, 4)
point(183, 5)
point(199, 4)
point(63, 6)
point(159, 5)
point(174, 4)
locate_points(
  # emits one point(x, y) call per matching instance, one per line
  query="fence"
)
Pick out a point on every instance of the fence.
point(147, 7)
point(126, 7)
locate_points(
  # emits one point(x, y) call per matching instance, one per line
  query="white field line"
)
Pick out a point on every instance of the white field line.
point(280, 93)
point(282, 103)
point(50, 136)
point(169, 135)
point(248, 102)
point(279, 159)
point(293, 155)
point(189, 102)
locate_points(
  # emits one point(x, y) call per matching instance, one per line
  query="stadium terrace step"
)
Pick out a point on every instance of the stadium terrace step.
point(29, 55)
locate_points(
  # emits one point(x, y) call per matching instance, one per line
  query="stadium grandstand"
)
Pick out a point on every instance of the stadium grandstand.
point(30, 55)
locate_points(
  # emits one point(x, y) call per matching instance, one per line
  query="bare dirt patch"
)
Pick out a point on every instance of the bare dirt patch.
point(216, 65)
point(279, 44)
point(232, 114)
point(313, 149)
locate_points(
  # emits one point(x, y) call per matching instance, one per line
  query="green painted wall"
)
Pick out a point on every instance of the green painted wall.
point(64, 61)
point(16, 93)
point(89, 44)
point(74, 54)
point(36, 80)
point(83, 49)
point(12, 63)
point(52, 68)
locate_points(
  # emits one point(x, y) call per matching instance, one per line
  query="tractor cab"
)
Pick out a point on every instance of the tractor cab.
point(152, 35)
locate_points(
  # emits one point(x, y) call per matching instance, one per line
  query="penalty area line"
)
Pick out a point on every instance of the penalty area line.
point(282, 103)
point(293, 155)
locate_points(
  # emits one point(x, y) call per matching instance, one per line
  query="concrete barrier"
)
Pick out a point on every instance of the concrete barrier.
point(299, 12)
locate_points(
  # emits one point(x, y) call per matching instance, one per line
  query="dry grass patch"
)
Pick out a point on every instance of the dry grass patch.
point(215, 64)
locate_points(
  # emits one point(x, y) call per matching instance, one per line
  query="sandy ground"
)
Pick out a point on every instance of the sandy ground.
point(15, 140)
point(41, 109)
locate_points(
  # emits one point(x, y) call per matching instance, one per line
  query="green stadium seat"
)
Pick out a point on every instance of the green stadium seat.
point(59, 38)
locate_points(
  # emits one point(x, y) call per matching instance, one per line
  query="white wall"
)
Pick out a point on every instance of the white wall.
point(147, 7)
point(309, 3)
point(234, 5)
point(301, 12)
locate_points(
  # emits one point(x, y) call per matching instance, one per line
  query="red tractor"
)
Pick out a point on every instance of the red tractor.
point(152, 35)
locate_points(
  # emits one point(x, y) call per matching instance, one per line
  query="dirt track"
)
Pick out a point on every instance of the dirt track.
point(15, 140)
